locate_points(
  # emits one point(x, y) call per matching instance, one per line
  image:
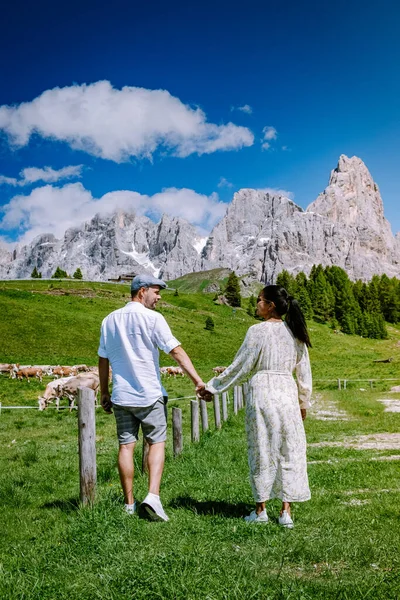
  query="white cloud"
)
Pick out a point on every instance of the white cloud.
point(270, 133)
point(50, 209)
point(224, 183)
point(278, 192)
point(119, 124)
point(8, 180)
point(246, 108)
point(32, 175)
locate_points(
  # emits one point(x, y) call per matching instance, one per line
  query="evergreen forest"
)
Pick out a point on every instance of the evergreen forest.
point(329, 296)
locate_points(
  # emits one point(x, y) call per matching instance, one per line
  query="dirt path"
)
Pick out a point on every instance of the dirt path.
point(374, 441)
point(327, 410)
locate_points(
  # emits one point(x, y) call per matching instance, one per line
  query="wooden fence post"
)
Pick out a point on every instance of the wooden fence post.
point(235, 400)
point(224, 406)
point(87, 445)
point(194, 411)
point(371, 385)
point(145, 455)
point(245, 392)
point(240, 390)
point(217, 412)
point(339, 384)
point(177, 431)
point(344, 384)
point(204, 415)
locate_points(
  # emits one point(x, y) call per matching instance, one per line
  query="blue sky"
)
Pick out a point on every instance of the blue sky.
point(318, 79)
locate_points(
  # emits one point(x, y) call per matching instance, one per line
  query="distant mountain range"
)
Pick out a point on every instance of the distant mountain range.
point(260, 234)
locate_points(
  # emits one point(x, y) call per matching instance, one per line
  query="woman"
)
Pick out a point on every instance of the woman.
point(276, 403)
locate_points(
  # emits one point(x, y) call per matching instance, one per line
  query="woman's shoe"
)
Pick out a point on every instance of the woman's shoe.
point(285, 520)
point(253, 517)
point(131, 508)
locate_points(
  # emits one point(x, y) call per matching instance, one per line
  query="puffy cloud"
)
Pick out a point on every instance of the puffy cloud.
point(32, 175)
point(8, 180)
point(119, 124)
point(270, 133)
point(50, 209)
point(246, 108)
point(224, 183)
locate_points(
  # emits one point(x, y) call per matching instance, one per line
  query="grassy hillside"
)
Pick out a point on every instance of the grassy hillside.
point(58, 322)
point(198, 282)
point(212, 281)
point(345, 542)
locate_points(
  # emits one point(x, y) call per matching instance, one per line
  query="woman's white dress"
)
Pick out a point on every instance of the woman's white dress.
point(270, 354)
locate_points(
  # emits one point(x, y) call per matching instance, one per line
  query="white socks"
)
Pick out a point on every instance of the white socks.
point(130, 508)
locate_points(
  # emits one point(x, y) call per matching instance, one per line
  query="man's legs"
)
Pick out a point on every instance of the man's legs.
point(156, 461)
point(126, 470)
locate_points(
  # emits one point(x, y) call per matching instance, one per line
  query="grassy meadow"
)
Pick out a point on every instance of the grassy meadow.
point(345, 544)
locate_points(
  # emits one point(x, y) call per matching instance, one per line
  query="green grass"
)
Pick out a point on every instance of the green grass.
point(198, 282)
point(41, 325)
point(344, 545)
point(54, 549)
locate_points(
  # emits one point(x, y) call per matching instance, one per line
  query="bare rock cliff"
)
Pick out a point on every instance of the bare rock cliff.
point(260, 235)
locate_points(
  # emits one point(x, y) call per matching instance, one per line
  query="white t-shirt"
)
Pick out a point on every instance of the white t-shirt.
point(130, 338)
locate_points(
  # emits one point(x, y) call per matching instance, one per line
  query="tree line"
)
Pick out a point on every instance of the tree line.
point(58, 274)
point(329, 296)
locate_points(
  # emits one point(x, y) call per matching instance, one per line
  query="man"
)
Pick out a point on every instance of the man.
point(130, 338)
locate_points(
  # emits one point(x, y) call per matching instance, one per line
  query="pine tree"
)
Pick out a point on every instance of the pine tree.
point(302, 296)
point(176, 293)
point(348, 324)
point(59, 274)
point(390, 304)
point(77, 274)
point(360, 293)
point(323, 299)
point(286, 280)
point(35, 274)
point(232, 290)
point(251, 307)
point(347, 309)
point(372, 302)
point(209, 324)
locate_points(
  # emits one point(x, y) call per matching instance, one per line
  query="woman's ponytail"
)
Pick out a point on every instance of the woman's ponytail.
point(289, 306)
point(296, 321)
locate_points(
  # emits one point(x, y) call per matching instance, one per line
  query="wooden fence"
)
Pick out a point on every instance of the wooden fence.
point(199, 414)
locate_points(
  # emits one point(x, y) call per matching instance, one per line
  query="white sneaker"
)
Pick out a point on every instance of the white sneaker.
point(286, 521)
point(153, 507)
point(253, 517)
point(131, 508)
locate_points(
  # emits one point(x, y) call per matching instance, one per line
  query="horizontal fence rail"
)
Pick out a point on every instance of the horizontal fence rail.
point(239, 393)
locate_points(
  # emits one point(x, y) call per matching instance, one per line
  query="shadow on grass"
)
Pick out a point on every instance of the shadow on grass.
point(212, 507)
point(68, 505)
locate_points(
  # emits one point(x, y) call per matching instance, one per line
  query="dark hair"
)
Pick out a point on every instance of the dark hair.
point(287, 305)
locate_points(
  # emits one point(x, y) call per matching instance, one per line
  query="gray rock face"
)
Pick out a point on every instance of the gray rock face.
point(108, 246)
point(260, 235)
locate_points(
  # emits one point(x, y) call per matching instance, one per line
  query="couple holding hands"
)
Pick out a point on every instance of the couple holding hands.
point(275, 409)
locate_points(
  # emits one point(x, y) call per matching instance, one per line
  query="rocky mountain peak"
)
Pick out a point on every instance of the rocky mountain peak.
point(261, 233)
point(352, 197)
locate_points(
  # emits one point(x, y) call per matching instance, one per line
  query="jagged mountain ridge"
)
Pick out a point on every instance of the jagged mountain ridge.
point(260, 234)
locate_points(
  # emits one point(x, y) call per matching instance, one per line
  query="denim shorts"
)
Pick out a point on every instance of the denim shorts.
point(153, 420)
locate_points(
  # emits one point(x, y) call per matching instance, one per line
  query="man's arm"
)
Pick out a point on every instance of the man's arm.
point(104, 370)
point(186, 364)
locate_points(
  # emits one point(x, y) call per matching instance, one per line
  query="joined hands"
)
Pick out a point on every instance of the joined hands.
point(202, 393)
